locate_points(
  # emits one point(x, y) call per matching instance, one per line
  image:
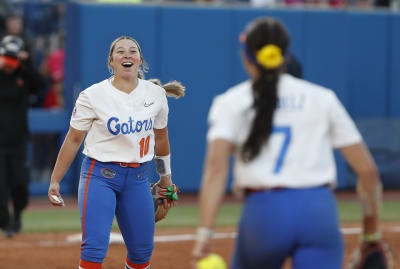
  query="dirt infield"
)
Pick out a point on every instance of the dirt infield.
point(52, 251)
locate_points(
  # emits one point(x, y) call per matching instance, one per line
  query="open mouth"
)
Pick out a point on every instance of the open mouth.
point(127, 64)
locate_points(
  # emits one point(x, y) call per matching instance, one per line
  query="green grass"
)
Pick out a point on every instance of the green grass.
point(350, 211)
point(56, 220)
point(51, 220)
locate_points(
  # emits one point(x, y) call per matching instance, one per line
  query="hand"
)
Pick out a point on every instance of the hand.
point(167, 205)
point(201, 249)
point(164, 197)
point(54, 194)
point(166, 190)
point(165, 181)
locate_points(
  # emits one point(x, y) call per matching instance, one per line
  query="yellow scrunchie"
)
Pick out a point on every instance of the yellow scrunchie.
point(270, 56)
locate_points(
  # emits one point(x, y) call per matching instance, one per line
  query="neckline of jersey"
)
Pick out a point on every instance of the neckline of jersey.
point(109, 81)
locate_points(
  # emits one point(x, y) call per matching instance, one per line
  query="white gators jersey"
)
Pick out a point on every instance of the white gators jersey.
point(308, 123)
point(119, 125)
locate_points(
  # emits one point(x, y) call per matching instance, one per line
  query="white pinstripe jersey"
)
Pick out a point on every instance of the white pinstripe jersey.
point(119, 125)
point(309, 122)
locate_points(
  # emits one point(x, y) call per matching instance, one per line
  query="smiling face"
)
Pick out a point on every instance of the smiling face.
point(125, 58)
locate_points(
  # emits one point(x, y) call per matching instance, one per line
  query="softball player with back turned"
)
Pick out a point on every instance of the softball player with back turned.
point(124, 119)
point(282, 131)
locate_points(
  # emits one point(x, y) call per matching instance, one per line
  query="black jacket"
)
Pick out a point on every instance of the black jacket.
point(15, 90)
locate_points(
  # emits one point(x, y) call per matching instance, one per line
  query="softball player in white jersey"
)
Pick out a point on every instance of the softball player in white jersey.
point(125, 120)
point(282, 131)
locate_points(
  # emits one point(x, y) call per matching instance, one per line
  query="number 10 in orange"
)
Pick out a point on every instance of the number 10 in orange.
point(144, 146)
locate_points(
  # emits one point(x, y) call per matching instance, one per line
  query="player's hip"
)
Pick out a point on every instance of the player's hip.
point(111, 173)
point(300, 211)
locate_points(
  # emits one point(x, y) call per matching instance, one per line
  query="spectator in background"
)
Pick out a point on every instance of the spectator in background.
point(15, 27)
point(18, 79)
point(54, 69)
point(4, 11)
point(45, 145)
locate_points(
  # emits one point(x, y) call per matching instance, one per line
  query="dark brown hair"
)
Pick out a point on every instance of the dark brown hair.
point(261, 32)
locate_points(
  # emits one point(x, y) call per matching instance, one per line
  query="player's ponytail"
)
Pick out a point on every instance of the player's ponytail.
point(265, 46)
point(265, 101)
point(172, 88)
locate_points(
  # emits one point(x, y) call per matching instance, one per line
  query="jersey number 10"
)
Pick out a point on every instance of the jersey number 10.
point(144, 146)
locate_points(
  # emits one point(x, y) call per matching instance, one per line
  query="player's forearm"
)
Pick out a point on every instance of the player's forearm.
point(212, 192)
point(370, 225)
point(214, 180)
point(65, 158)
point(162, 156)
point(369, 190)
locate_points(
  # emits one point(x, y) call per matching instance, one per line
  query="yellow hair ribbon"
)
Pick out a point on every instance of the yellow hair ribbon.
point(270, 56)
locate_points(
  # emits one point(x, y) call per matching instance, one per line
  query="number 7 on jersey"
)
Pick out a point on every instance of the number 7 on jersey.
point(286, 131)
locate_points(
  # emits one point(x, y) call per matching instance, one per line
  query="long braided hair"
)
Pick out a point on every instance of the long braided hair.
point(263, 37)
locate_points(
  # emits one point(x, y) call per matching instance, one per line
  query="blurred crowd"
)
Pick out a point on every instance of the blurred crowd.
point(368, 4)
point(40, 24)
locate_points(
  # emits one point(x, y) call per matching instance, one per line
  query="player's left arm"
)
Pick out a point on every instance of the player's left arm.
point(164, 188)
point(162, 156)
point(369, 187)
point(373, 251)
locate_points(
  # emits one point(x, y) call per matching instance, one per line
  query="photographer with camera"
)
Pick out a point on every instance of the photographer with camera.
point(18, 79)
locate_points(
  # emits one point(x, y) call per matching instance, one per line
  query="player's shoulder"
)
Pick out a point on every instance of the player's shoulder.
point(291, 83)
point(96, 87)
point(93, 92)
point(237, 97)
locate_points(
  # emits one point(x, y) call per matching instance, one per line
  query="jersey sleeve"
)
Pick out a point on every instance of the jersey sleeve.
point(83, 113)
point(161, 119)
point(343, 131)
point(223, 122)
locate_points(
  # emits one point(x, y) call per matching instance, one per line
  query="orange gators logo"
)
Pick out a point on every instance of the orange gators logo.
point(108, 173)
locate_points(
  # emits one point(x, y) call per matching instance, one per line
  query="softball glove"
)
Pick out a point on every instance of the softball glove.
point(372, 255)
point(159, 195)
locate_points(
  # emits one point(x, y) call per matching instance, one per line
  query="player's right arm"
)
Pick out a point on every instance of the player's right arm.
point(369, 186)
point(212, 191)
point(67, 154)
